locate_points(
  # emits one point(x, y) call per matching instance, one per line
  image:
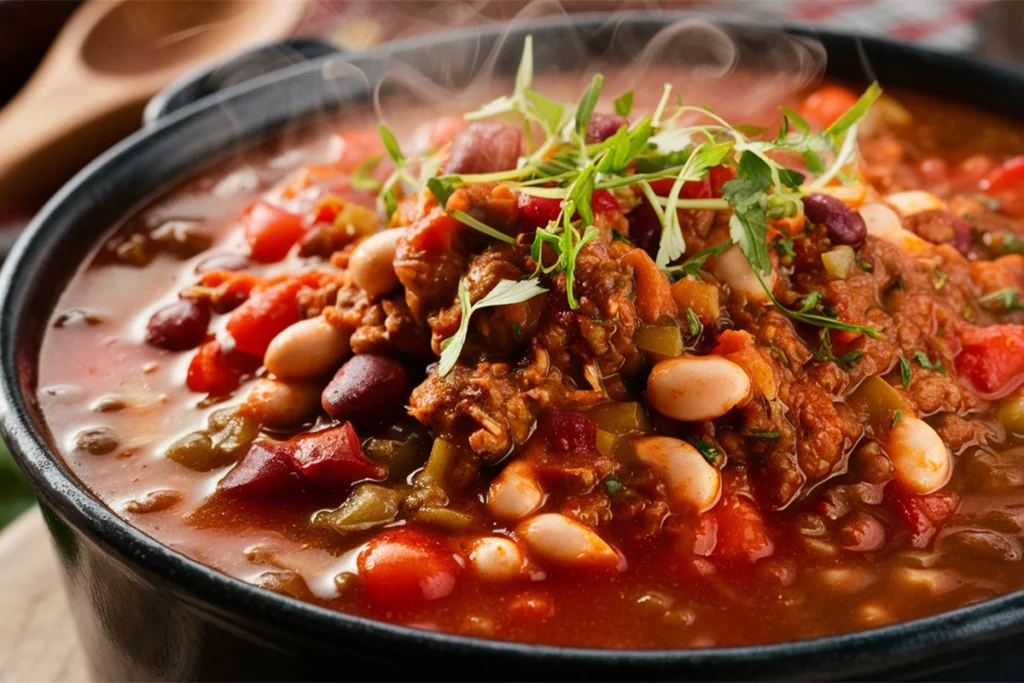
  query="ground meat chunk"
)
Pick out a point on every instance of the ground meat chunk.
point(388, 324)
point(600, 332)
point(430, 258)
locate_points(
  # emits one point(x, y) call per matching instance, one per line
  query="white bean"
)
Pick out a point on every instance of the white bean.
point(884, 223)
point(280, 405)
point(372, 264)
point(691, 388)
point(309, 348)
point(565, 541)
point(733, 269)
point(918, 455)
point(692, 481)
point(495, 558)
point(914, 201)
point(514, 493)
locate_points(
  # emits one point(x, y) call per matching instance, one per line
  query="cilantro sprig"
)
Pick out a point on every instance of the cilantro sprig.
point(504, 293)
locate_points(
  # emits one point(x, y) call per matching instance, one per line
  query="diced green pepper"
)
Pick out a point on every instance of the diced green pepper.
point(368, 506)
point(663, 341)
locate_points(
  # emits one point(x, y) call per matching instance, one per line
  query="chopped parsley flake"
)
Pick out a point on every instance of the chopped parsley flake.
point(897, 417)
point(906, 372)
point(707, 450)
point(925, 362)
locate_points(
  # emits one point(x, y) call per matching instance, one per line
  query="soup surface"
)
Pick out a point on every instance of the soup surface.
point(610, 372)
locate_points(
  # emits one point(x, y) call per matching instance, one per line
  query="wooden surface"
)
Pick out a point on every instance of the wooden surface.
point(37, 636)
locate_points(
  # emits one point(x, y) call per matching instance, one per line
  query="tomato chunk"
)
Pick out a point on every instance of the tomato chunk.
point(740, 529)
point(992, 359)
point(827, 104)
point(214, 371)
point(570, 432)
point(405, 568)
point(264, 314)
point(332, 458)
point(271, 231)
point(537, 212)
point(1007, 177)
point(924, 515)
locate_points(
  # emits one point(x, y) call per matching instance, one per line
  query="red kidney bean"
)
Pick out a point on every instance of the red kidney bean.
point(484, 147)
point(603, 126)
point(570, 432)
point(222, 262)
point(179, 326)
point(844, 225)
point(264, 472)
point(367, 388)
point(861, 532)
point(962, 234)
point(645, 228)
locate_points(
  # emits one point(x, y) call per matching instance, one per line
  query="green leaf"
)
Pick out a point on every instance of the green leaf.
point(524, 74)
point(549, 113)
point(798, 122)
point(906, 372)
point(624, 146)
point(361, 178)
point(707, 450)
point(390, 204)
point(465, 218)
point(442, 188)
point(897, 417)
point(694, 323)
point(1006, 298)
point(588, 101)
point(854, 114)
point(813, 161)
point(763, 435)
point(391, 145)
point(925, 362)
point(504, 293)
point(624, 104)
point(581, 192)
point(694, 265)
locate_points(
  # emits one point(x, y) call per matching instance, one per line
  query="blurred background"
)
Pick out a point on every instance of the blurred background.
point(75, 75)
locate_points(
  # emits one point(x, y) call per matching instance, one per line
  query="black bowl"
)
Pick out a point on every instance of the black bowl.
point(147, 612)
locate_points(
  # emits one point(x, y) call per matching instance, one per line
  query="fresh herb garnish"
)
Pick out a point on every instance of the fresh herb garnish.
point(587, 103)
point(624, 104)
point(479, 225)
point(940, 279)
point(612, 484)
point(925, 362)
point(504, 293)
point(906, 372)
point(897, 417)
point(847, 361)
point(762, 435)
point(866, 266)
point(361, 178)
point(694, 323)
point(1006, 298)
point(694, 266)
point(441, 188)
point(707, 450)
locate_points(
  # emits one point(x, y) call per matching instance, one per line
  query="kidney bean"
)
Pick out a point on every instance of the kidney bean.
point(484, 147)
point(645, 228)
point(179, 326)
point(603, 126)
point(844, 225)
point(264, 472)
point(962, 234)
point(861, 532)
point(367, 388)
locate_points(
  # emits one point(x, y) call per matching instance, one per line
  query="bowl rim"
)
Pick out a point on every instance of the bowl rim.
point(905, 643)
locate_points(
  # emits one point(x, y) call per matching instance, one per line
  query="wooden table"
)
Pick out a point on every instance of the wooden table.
point(37, 635)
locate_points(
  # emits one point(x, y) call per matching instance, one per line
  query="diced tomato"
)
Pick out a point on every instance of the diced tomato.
point(692, 189)
point(332, 458)
point(537, 212)
point(264, 314)
point(604, 203)
point(404, 568)
point(264, 472)
point(570, 432)
point(741, 531)
point(531, 607)
point(719, 176)
point(992, 359)
point(270, 231)
point(924, 515)
point(1007, 177)
point(212, 371)
point(827, 104)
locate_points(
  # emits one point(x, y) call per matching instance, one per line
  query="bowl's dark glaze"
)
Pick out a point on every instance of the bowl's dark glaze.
point(146, 612)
